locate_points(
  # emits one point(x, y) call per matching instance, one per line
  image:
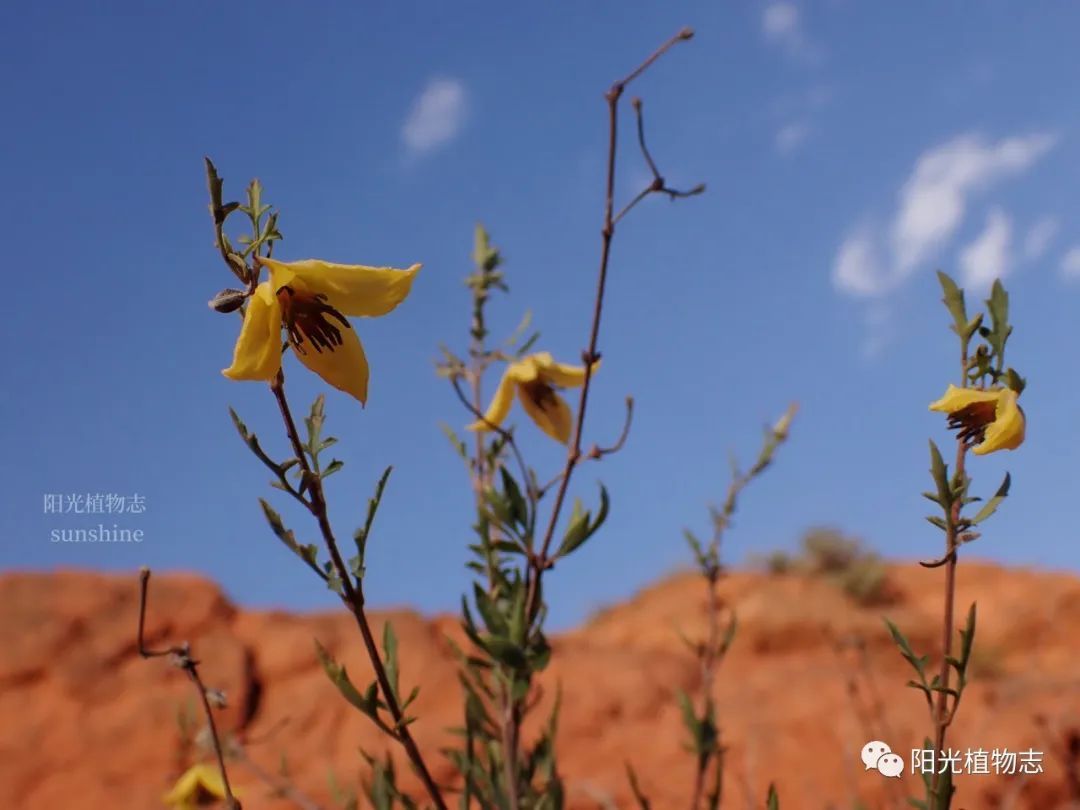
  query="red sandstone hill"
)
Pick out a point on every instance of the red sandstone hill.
point(88, 724)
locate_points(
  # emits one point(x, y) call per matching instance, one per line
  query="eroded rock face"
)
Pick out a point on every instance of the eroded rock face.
point(88, 723)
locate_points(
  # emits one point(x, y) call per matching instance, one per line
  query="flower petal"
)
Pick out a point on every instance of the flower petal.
point(196, 780)
point(352, 289)
point(956, 399)
point(527, 369)
point(500, 403)
point(563, 375)
point(1007, 430)
point(345, 367)
point(550, 412)
point(257, 355)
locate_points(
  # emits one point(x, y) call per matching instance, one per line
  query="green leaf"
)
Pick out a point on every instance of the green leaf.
point(340, 678)
point(214, 183)
point(308, 553)
point(332, 468)
point(998, 304)
point(729, 635)
point(922, 687)
point(577, 530)
point(695, 547)
point(581, 526)
point(489, 612)
point(528, 344)
point(967, 640)
point(484, 255)
point(516, 624)
point(991, 505)
point(940, 474)
point(504, 651)
point(954, 302)
point(390, 648)
point(519, 510)
point(973, 326)
point(642, 800)
point(1015, 381)
point(905, 648)
point(772, 801)
point(360, 537)
point(690, 719)
point(517, 334)
point(455, 441)
point(499, 508)
point(314, 423)
point(605, 507)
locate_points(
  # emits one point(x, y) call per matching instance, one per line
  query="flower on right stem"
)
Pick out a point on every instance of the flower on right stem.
point(990, 419)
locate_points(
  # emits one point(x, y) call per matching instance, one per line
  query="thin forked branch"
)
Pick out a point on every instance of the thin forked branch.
point(591, 354)
point(181, 659)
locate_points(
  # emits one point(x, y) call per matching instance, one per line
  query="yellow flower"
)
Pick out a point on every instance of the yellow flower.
point(992, 420)
point(310, 299)
point(199, 786)
point(536, 379)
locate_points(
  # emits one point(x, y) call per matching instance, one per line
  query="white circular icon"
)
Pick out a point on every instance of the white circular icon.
point(872, 752)
point(890, 765)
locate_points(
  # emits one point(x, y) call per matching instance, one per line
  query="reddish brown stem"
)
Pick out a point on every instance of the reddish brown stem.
point(942, 712)
point(184, 661)
point(590, 355)
point(353, 596)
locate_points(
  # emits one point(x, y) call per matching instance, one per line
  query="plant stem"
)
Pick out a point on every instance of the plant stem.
point(590, 355)
point(942, 712)
point(708, 677)
point(183, 659)
point(510, 714)
point(353, 595)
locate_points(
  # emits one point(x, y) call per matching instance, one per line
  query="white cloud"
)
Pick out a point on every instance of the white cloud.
point(781, 23)
point(880, 332)
point(791, 136)
point(436, 117)
point(1070, 264)
point(873, 262)
point(1039, 237)
point(858, 264)
point(989, 256)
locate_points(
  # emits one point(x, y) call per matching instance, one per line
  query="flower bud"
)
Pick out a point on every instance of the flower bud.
point(228, 300)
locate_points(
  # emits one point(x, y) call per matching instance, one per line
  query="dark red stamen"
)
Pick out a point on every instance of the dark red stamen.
point(304, 316)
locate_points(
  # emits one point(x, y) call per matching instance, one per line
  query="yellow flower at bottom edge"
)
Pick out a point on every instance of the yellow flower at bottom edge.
point(200, 785)
point(310, 299)
point(991, 419)
point(536, 379)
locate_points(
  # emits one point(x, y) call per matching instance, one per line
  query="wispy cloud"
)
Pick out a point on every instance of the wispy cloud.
point(781, 23)
point(989, 255)
point(1038, 238)
point(1070, 264)
point(880, 330)
point(874, 261)
point(437, 116)
point(791, 136)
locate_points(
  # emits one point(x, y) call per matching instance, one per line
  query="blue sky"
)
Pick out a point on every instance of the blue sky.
point(849, 148)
